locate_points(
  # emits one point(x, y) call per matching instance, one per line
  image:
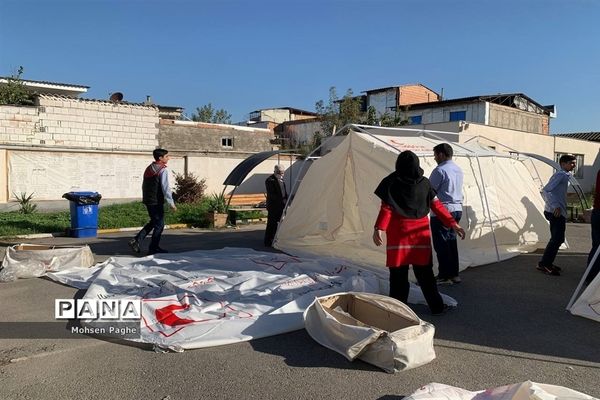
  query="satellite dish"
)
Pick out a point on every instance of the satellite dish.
point(116, 97)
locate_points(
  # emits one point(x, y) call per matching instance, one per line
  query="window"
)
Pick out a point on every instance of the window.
point(458, 116)
point(415, 120)
point(227, 142)
point(578, 171)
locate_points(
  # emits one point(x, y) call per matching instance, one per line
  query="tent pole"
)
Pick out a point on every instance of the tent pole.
point(487, 205)
point(587, 270)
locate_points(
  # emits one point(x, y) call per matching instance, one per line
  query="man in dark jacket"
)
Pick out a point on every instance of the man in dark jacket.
point(276, 198)
point(155, 190)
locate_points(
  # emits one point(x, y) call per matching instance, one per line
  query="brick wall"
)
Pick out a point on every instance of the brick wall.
point(59, 121)
point(18, 124)
point(180, 136)
point(96, 124)
point(414, 94)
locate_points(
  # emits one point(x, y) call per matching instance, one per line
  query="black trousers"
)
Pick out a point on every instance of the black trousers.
point(558, 226)
point(399, 285)
point(272, 220)
point(156, 225)
point(446, 246)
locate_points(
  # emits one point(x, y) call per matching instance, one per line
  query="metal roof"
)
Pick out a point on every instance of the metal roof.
point(591, 136)
point(68, 85)
point(500, 98)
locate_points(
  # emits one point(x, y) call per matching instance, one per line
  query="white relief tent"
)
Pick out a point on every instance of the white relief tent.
point(333, 208)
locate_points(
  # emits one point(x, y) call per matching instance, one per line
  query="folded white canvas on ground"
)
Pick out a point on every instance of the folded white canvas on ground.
point(30, 260)
point(209, 298)
point(377, 329)
point(520, 391)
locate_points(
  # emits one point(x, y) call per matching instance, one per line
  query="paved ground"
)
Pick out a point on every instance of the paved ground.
point(510, 326)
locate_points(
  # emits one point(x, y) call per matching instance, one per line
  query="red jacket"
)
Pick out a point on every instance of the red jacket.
point(409, 240)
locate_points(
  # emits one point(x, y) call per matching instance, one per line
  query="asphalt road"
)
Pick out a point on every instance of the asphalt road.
point(510, 326)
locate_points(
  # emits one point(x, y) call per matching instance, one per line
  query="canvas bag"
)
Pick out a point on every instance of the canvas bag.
point(377, 329)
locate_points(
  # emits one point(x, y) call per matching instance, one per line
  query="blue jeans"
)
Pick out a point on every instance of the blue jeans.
point(595, 243)
point(446, 247)
point(156, 225)
point(558, 226)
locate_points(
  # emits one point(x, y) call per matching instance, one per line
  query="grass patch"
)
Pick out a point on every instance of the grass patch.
point(109, 217)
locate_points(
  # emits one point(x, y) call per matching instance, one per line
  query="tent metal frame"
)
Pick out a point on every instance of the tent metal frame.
point(421, 133)
point(580, 285)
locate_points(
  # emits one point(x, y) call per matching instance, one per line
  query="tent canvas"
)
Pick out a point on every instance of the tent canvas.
point(333, 210)
point(588, 303)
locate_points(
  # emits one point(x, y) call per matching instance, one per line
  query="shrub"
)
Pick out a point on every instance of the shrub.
point(217, 203)
point(188, 189)
point(26, 206)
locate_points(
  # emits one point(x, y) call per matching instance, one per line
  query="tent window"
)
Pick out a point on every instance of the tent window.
point(415, 120)
point(458, 116)
point(578, 172)
point(227, 142)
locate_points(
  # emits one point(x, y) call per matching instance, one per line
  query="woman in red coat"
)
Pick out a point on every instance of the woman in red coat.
point(406, 198)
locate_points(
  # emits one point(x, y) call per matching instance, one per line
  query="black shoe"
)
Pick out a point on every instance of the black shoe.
point(547, 270)
point(135, 245)
point(157, 251)
point(443, 311)
point(556, 268)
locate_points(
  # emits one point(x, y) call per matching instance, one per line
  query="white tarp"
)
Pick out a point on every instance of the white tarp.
point(30, 260)
point(588, 304)
point(377, 329)
point(520, 391)
point(209, 298)
point(334, 209)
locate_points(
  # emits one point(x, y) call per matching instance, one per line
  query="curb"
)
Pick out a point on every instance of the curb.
point(100, 232)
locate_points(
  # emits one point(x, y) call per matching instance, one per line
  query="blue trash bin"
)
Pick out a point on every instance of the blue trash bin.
point(84, 213)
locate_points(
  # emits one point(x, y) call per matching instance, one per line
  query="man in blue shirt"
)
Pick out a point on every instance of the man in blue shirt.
point(447, 180)
point(555, 211)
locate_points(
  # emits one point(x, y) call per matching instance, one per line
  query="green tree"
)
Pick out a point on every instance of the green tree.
point(207, 113)
point(398, 118)
point(339, 112)
point(14, 91)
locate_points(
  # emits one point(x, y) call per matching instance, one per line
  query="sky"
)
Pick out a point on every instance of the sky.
point(246, 55)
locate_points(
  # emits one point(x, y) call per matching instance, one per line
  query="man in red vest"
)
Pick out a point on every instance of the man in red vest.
point(155, 190)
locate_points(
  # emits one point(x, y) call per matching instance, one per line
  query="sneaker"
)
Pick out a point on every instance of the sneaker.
point(556, 268)
point(547, 270)
point(456, 279)
point(444, 282)
point(135, 245)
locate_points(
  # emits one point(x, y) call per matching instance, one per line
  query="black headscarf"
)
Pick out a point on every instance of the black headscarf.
point(406, 190)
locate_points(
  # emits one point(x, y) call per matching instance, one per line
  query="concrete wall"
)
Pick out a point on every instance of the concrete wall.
point(511, 118)
point(49, 174)
point(301, 133)
point(3, 177)
point(382, 101)
point(215, 169)
point(475, 112)
point(545, 145)
point(183, 136)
